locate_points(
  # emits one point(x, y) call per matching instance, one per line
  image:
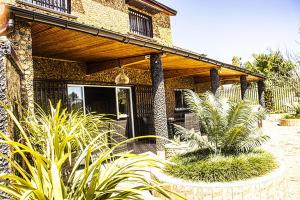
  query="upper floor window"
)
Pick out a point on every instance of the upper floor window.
point(140, 24)
point(57, 5)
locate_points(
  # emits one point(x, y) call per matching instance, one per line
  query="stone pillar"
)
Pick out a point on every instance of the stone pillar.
point(22, 43)
point(244, 86)
point(261, 92)
point(159, 101)
point(215, 80)
point(5, 50)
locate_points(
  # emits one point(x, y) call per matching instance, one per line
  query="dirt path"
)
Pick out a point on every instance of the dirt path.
point(285, 144)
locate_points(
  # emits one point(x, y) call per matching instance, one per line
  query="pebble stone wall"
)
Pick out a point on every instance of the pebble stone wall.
point(4, 149)
point(108, 14)
point(50, 69)
point(22, 43)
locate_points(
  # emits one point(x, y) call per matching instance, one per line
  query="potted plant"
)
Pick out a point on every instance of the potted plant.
point(291, 119)
point(227, 162)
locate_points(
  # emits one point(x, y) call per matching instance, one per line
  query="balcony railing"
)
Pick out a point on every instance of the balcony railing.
point(56, 5)
point(140, 24)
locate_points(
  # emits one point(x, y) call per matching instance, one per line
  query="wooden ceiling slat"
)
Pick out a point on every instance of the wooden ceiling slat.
point(59, 43)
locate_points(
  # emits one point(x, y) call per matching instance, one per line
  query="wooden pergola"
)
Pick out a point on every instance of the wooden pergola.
point(101, 49)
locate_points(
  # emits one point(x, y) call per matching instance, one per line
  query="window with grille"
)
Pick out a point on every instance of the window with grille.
point(140, 24)
point(180, 103)
point(57, 5)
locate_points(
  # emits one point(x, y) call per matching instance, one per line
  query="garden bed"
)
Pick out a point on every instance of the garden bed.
point(270, 185)
point(289, 122)
point(203, 166)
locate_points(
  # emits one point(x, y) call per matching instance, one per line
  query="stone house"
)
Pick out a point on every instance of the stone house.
point(77, 50)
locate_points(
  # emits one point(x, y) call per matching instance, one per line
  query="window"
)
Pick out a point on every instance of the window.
point(180, 103)
point(140, 24)
point(76, 97)
point(57, 5)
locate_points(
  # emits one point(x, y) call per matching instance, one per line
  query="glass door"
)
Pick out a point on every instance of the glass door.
point(116, 102)
point(124, 107)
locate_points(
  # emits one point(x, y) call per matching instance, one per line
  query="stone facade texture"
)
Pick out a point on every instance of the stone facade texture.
point(4, 149)
point(261, 93)
point(215, 80)
point(244, 86)
point(108, 14)
point(159, 101)
point(176, 83)
point(22, 43)
point(10, 87)
point(50, 69)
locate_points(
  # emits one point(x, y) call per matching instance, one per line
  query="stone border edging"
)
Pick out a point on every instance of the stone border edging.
point(270, 186)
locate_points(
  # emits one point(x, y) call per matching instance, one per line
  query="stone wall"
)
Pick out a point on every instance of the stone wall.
point(13, 91)
point(176, 83)
point(202, 87)
point(108, 14)
point(10, 86)
point(4, 149)
point(50, 69)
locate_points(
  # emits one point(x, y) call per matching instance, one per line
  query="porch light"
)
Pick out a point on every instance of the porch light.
point(122, 78)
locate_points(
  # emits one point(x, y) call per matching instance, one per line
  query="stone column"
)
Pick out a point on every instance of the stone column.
point(22, 43)
point(159, 101)
point(244, 85)
point(215, 80)
point(261, 92)
point(5, 50)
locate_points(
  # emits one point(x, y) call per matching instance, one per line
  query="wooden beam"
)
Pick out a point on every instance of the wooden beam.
point(184, 72)
point(95, 67)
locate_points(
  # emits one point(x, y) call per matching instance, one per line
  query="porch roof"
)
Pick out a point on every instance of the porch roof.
point(102, 49)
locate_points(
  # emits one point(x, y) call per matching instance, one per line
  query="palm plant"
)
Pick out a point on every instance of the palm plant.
point(229, 127)
point(47, 144)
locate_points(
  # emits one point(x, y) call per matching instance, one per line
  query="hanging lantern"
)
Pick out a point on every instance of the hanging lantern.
point(122, 78)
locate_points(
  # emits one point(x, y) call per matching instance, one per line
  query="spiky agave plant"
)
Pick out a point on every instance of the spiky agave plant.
point(40, 175)
point(229, 127)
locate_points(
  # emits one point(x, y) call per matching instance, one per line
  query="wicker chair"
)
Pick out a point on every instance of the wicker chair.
point(191, 122)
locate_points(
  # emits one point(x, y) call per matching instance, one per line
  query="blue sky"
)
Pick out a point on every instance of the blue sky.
point(224, 28)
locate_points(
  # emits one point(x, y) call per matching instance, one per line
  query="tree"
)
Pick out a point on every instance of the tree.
point(273, 65)
point(236, 61)
point(277, 69)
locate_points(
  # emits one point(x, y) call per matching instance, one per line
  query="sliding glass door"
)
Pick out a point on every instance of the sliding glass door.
point(114, 101)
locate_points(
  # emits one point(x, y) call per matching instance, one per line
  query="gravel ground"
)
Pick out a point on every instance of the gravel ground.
point(285, 144)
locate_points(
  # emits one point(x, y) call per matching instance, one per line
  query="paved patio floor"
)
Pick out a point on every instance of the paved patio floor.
point(285, 144)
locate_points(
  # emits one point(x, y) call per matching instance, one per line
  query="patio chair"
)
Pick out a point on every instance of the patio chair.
point(191, 122)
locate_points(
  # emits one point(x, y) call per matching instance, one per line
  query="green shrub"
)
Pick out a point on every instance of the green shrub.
point(47, 144)
point(292, 116)
point(202, 166)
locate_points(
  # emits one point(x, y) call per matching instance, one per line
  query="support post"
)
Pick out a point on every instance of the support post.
point(215, 80)
point(244, 86)
point(159, 101)
point(261, 92)
point(5, 50)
